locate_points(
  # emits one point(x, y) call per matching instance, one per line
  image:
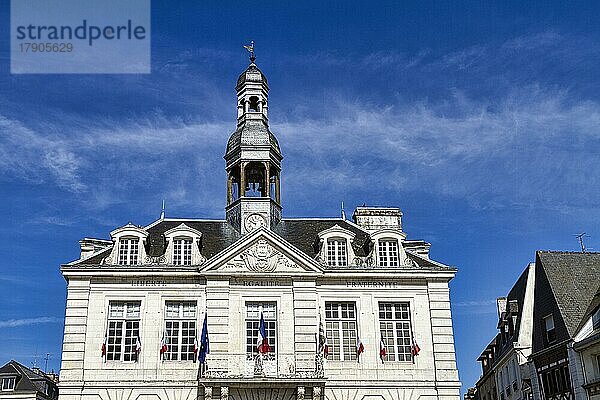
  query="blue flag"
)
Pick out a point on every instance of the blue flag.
point(204, 343)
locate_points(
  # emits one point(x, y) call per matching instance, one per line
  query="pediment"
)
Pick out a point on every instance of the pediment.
point(262, 252)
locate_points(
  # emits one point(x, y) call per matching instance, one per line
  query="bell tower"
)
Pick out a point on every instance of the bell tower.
point(253, 158)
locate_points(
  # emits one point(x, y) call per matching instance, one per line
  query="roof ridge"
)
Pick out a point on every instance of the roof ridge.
point(569, 252)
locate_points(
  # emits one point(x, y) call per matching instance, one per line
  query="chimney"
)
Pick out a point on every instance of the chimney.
point(376, 218)
point(501, 304)
point(90, 246)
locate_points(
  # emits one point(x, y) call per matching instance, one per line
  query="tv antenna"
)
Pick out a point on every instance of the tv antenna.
point(46, 362)
point(580, 237)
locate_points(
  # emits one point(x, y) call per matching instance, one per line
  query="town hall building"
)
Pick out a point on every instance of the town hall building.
point(257, 305)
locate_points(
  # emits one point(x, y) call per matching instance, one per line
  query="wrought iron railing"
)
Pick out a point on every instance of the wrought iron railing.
point(270, 365)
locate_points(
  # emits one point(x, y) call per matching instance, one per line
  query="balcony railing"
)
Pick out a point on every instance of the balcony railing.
point(270, 365)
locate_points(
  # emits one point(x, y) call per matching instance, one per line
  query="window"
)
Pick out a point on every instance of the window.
point(182, 251)
point(128, 251)
point(269, 312)
point(123, 330)
point(550, 331)
point(341, 331)
point(388, 253)
point(394, 323)
point(596, 318)
point(8, 383)
point(180, 330)
point(556, 380)
point(336, 252)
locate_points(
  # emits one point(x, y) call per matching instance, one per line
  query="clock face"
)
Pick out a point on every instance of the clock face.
point(254, 221)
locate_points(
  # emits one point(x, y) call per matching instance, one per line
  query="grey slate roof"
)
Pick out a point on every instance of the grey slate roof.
point(217, 235)
point(516, 293)
point(574, 279)
point(28, 380)
point(302, 233)
point(252, 73)
point(252, 133)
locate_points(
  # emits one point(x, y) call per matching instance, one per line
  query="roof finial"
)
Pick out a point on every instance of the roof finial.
point(250, 49)
point(343, 212)
point(162, 212)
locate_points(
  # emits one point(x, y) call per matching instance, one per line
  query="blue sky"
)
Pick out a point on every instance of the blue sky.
point(481, 121)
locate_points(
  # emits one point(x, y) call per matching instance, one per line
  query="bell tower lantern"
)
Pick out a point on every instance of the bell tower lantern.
point(253, 158)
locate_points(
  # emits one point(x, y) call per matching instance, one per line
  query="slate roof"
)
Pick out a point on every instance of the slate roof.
point(217, 235)
point(250, 74)
point(574, 279)
point(28, 380)
point(252, 133)
point(516, 294)
point(302, 233)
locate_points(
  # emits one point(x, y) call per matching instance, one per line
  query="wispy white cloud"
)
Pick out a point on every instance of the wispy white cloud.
point(13, 323)
point(491, 152)
point(475, 303)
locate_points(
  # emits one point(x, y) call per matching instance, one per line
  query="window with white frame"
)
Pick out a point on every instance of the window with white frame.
point(180, 330)
point(388, 253)
point(8, 384)
point(128, 251)
point(394, 324)
point(550, 331)
point(123, 330)
point(337, 254)
point(341, 330)
point(182, 251)
point(269, 312)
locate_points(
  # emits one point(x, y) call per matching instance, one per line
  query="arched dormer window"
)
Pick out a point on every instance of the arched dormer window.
point(182, 250)
point(388, 253)
point(389, 250)
point(183, 246)
point(129, 251)
point(336, 249)
point(129, 245)
point(337, 252)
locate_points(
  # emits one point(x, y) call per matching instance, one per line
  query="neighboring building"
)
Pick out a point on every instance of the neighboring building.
point(587, 348)
point(136, 303)
point(504, 361)
point(19, 382)
point(471, 394)
point(549, 341)
point(485, 388)
point(566, 286)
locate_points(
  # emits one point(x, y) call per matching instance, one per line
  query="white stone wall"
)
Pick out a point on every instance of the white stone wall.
point(85, 375)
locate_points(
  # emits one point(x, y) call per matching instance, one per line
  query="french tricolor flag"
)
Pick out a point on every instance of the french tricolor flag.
point(360, 348)
point(382, 349)
point(263, 341)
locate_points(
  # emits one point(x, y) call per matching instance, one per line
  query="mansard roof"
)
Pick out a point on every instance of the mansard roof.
point(302, 233)
point(27, 380)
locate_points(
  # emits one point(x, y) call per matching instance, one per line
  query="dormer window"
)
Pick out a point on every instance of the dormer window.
point(388, 253)
point(550, 331)
point(337, 254)
point(184, 245)
point(129, 251)
point(182, 251)
point(8, 384)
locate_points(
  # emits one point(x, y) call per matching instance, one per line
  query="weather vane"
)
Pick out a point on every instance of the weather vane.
point(250, 49)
